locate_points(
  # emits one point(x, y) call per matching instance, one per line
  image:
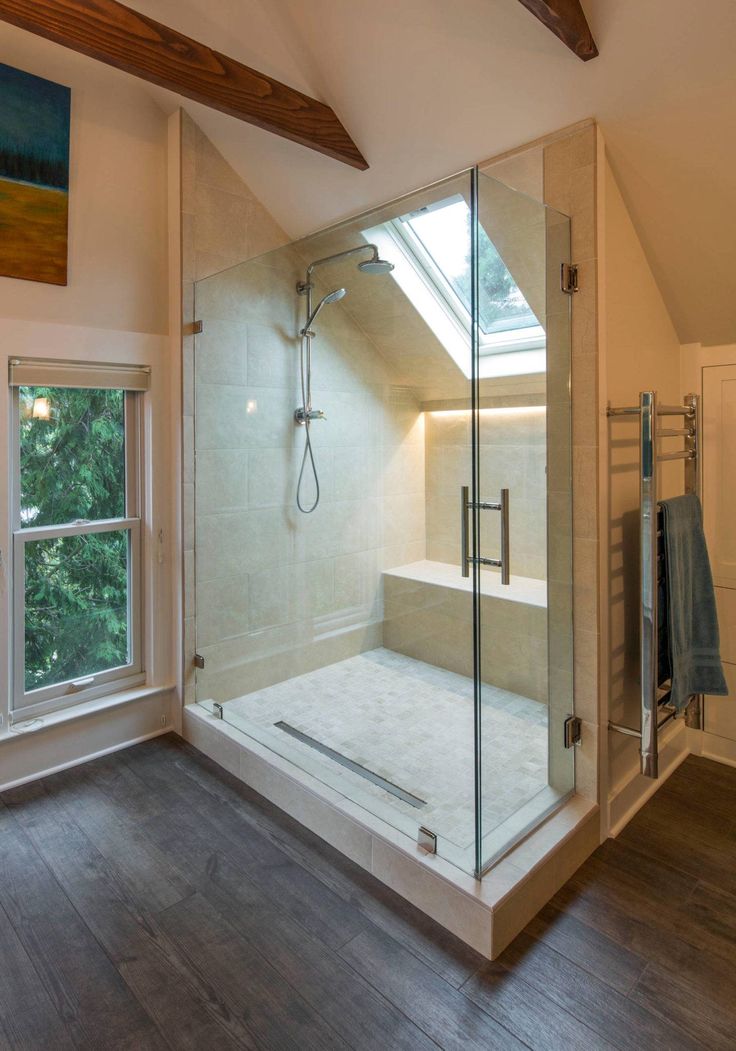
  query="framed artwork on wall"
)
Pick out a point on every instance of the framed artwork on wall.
point(34, 177)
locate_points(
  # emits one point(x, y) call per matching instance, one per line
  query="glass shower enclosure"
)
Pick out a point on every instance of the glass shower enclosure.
point(383, 549)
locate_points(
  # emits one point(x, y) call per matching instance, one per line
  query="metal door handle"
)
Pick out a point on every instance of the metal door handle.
point(505, 539)
point(466, 559)
point(464, 526)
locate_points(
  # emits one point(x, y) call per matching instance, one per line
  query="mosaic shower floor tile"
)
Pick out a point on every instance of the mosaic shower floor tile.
point(410, 724)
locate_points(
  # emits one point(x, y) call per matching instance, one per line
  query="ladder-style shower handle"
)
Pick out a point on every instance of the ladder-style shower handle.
point(466, 559)
point(505, 539)
point(464, 529)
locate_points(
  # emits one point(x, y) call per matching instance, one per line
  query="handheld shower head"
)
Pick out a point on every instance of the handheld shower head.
point(376, 266)
point(331, 297)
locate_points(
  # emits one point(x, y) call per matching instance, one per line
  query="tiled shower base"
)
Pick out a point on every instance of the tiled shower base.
point(410, 724)
point(486, 914)
point(395, 735)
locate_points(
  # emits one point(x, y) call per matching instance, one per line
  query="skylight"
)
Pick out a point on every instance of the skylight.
point(431, 250)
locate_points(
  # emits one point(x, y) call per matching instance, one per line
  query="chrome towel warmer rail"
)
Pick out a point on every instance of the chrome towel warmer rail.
point(466, 559)
point(651, 558)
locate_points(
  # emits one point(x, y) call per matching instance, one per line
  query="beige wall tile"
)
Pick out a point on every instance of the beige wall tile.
point(512, 455)
point(212, 169)
point(570, 186)
point(585, 484)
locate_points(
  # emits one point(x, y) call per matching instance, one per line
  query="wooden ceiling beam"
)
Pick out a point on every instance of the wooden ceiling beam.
point(567, 21)
point(119, 36)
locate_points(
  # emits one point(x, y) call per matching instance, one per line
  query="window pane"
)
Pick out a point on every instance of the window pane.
point(76, 590)
point(444, 233)
point(72, 455)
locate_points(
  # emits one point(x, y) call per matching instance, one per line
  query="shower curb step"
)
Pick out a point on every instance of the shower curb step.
point(485, 914)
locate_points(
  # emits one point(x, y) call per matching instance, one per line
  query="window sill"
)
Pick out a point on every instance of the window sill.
point(40, 723)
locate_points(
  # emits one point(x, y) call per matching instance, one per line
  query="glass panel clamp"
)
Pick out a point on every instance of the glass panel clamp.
point(573, 730)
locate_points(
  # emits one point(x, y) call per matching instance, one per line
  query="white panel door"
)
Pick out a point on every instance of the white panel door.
point(720, 712)
point(718, 452)
point(719, 471)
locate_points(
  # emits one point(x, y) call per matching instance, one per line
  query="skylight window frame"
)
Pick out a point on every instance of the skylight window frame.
point(502, 341)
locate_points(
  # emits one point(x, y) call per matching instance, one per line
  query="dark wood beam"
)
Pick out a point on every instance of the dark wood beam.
point(115, 34)
point(567, 21)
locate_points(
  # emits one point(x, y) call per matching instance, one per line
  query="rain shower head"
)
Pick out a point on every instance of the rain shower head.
point(376, 266)
point(331, 297)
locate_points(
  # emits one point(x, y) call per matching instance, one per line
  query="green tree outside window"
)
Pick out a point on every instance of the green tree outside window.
point(72, 467)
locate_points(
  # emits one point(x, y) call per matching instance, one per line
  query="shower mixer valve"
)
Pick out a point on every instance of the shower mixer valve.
point(301, 416)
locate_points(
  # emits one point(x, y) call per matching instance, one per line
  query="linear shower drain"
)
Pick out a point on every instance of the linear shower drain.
point(350, 764)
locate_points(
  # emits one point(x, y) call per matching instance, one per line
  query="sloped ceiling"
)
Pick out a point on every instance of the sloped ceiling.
point(427, 87)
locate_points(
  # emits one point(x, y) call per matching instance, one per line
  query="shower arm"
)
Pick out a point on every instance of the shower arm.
point(305, 287)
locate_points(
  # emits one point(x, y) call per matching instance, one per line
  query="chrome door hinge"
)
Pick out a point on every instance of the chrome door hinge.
point(198, 660)
point(569, 278)
point(573, 731)
point(427, 840)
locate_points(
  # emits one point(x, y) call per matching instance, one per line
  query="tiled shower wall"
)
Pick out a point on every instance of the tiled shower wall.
point(566, 180)
point(570, 174)
point(279, 592)
point(221, 224)
point(512, 455)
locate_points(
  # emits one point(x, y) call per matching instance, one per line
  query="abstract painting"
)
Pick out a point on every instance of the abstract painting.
point(34, 177)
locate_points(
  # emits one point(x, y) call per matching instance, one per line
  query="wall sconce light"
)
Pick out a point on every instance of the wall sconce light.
point(41, 409)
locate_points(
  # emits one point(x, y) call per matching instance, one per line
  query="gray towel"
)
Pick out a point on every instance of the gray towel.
point(692, 621)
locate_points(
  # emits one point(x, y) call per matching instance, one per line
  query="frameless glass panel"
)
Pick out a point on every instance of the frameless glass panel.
point(72, 455)
point(523, 454)
point(341, 638)
point(338, 457)
point(76, 606)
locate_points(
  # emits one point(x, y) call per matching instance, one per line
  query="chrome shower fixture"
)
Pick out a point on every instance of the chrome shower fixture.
point(305, 414)
point(331, 297)
point(374, 265)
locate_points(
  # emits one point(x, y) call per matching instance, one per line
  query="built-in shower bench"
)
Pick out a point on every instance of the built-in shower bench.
point(427, 610)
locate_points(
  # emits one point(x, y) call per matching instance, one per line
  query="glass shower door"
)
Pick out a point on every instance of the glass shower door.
point(373, 642)
point(342, 639)
point(521, 516)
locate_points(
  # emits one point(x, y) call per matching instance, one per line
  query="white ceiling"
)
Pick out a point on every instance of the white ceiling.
point(427, 87)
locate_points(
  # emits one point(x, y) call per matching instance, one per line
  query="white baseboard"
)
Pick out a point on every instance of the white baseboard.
point(720, 749)
point(31, 755)
point(634, 790)
point(632, 793)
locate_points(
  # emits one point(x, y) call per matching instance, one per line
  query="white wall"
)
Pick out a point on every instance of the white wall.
point(641, 353)
point(426, 88)
point(117, 198)
point(718, 739)
point(115, 309)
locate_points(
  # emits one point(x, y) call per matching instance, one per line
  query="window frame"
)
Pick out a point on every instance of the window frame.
point(502, 340)
point(508, 352)
point(27, 704)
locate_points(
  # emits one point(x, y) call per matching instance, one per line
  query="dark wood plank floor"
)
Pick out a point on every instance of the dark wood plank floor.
point(150, 900)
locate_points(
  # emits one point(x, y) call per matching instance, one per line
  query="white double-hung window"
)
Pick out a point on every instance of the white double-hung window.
point(76, 507)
